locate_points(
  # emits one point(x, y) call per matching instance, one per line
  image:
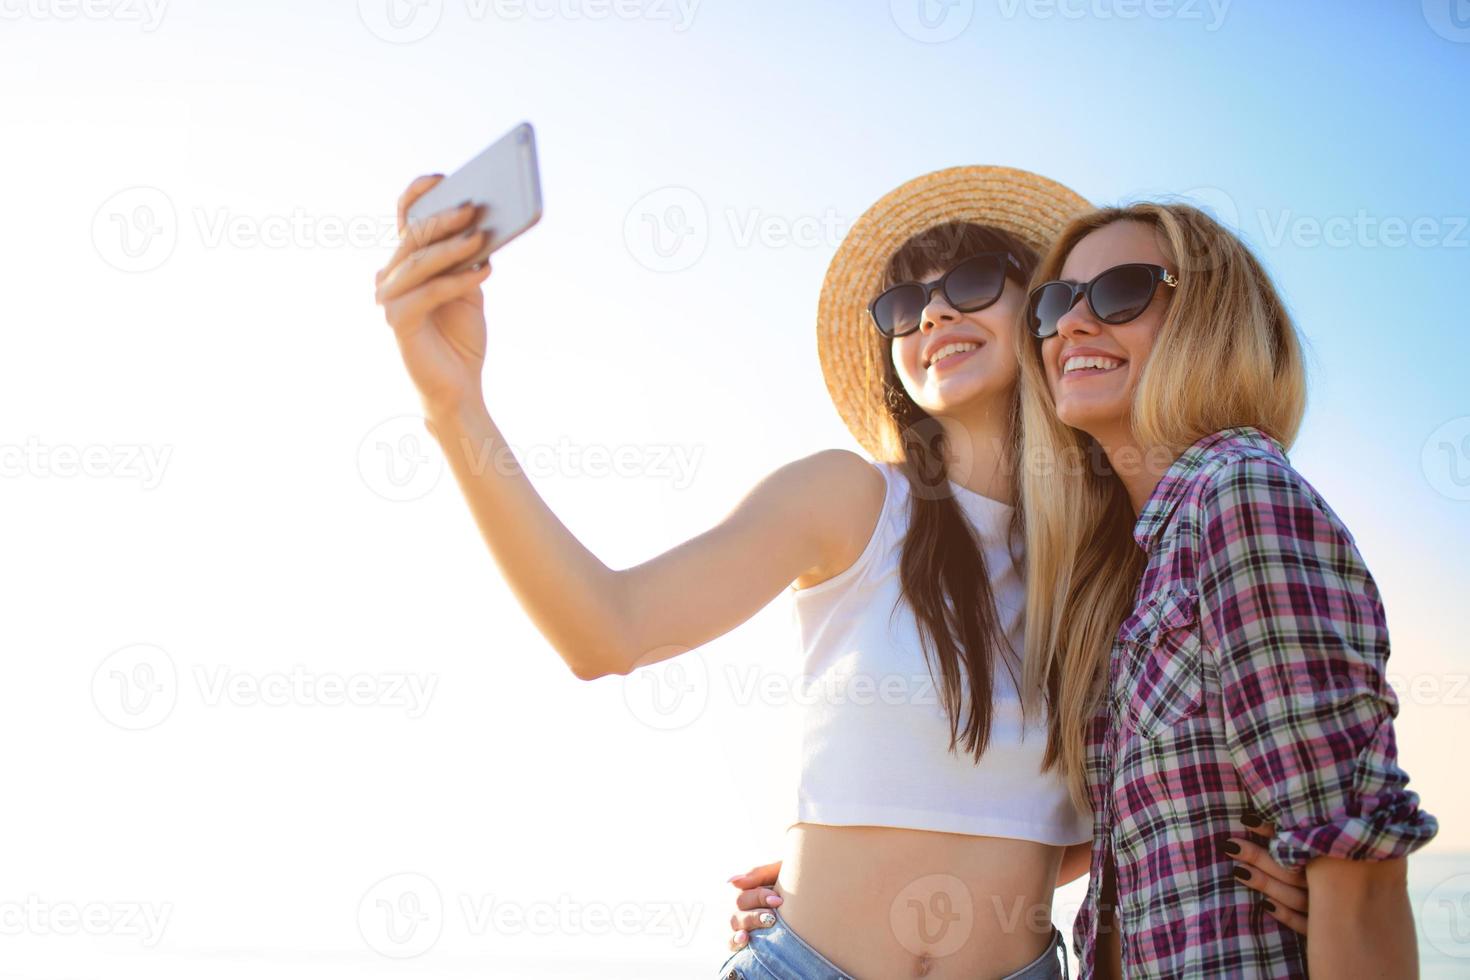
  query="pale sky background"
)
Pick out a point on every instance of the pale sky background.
point(215, 488)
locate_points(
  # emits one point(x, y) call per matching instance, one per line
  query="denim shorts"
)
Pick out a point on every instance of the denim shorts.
point(778, 953)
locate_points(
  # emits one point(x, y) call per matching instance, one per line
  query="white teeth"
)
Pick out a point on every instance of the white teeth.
point(949, 349)
point(1081, 363)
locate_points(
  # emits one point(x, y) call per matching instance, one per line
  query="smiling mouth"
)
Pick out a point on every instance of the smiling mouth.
point(950, 353)
point(1075, 367)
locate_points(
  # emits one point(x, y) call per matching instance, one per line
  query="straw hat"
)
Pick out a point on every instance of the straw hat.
point(1029, 206)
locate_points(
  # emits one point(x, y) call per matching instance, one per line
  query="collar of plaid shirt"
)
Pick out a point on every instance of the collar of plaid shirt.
point(1175, 483)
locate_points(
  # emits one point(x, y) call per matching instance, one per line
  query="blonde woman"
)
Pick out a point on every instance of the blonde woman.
point(1212, 646)
point(924, 834)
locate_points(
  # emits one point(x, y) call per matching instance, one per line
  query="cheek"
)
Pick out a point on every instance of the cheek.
point(1048, 356)
point(905, 352)
point(1138, 343)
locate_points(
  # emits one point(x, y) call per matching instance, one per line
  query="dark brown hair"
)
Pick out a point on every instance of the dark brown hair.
point(942, 569)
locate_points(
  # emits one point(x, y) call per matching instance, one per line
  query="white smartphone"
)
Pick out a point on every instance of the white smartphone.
point(503, 179)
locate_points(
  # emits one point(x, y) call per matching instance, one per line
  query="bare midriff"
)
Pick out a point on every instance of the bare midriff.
point(887, 902)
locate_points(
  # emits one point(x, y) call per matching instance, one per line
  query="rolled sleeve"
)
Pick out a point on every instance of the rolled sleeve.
point(1297, 627)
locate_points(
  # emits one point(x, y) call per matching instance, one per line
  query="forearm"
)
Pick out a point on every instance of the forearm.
point(1360, 924)
point(571, 596)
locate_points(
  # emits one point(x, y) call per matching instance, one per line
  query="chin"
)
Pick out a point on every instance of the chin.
point(1085, 417)
point(951, 397)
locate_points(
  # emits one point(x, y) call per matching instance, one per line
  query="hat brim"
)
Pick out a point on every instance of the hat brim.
point(1030, 206)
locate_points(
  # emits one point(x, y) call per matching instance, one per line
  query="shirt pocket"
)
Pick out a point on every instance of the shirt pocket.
point(1163, 684)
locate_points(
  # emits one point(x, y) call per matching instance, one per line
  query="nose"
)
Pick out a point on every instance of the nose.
point(936, 311)
point(1078, 321)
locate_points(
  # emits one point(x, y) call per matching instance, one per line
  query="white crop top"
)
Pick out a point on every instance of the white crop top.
point(874, 733)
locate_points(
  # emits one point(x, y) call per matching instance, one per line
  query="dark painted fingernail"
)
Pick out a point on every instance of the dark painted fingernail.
point(1268, 905)
point(1231, 848)
point(1242, 873)
point(1251, 820)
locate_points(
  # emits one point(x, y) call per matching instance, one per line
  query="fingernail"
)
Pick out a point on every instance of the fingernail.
point(1251, 820)
point(732, 878)
point(1268, 905)
point(740, 938)
point(1242, 873)
point(774, 900)
point(462, 205)
point(768, 919)
point(1231, 848)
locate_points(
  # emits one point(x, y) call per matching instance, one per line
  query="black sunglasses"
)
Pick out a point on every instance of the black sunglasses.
point(971, 284)
point(1116, 296)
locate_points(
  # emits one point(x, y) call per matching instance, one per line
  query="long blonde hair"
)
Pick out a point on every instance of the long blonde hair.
point(1226, 354)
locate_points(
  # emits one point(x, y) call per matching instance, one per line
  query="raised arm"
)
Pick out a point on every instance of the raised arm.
point(603, 621)
point(807, 520)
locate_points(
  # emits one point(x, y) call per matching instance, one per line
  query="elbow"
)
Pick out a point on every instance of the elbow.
point(589, 665)
point(584, 671)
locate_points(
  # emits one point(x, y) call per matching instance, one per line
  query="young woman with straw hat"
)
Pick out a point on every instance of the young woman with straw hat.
point(926, 834)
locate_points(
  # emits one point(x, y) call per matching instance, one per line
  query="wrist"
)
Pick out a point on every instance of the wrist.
point(457, 413)
point(460, 424)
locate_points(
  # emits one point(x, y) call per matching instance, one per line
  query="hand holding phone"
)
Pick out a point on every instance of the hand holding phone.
point(503, 181)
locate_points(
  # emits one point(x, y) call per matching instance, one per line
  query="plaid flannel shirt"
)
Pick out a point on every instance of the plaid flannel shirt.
point(1248, 678)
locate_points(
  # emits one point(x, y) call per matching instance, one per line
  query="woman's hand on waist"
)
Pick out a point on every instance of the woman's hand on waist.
point(754, 903)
